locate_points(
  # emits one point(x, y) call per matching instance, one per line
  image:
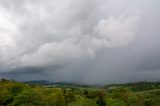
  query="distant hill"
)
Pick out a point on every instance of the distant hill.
point(45, 82)
point(137, 86)
point(38, 82)
point(141, 83)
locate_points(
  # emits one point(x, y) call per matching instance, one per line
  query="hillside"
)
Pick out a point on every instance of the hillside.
point(14, 93)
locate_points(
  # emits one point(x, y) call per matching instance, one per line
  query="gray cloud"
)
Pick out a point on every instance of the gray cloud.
point(89, 41)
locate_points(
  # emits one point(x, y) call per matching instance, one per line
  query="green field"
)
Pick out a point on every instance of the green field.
point(133, 94)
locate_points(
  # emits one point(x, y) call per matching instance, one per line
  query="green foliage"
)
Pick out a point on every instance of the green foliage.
point(5, 97)
point(28, 97)
point(114, 102)
point(69, 97)
point(18, 94)
point(82, 101)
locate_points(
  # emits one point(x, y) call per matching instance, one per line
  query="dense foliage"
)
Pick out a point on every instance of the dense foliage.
point(18, 94)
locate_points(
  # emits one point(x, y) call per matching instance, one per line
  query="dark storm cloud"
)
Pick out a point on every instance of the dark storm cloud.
point(84, 40)
point(28, 70)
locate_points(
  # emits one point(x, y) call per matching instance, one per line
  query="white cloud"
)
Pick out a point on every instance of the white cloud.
point(117, 31)
point(57, 32)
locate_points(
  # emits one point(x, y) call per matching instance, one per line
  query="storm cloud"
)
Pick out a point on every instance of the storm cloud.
point(91, 41)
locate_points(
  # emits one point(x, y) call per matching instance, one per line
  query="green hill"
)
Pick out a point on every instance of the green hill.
point(14, 93)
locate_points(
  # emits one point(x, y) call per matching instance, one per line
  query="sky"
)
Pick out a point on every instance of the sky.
point(88, 41)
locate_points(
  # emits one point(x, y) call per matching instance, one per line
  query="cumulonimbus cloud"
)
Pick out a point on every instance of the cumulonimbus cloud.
point(42, 36)
point(116, 37)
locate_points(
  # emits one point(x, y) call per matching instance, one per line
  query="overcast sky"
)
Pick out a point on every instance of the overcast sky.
point(89, 41)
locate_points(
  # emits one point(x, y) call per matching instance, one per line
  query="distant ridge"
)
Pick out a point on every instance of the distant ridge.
point(63, 83)
point(140, 83)
point(38, 82)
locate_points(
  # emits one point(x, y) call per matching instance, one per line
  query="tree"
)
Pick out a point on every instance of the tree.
point(69, 97)
point(101, 98)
